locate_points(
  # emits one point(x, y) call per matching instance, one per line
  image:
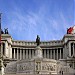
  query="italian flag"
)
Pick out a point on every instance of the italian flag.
point(71, 30)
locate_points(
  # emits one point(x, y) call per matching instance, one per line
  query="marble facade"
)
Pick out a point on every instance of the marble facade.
point(52, 56)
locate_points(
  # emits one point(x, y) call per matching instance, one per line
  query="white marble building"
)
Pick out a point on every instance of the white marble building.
point(52, 52)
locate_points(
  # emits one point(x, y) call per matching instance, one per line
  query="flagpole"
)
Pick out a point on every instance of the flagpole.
point(0, 31)
point(1, 61)
point(0, 35)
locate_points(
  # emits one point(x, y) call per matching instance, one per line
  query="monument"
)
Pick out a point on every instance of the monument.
point(38, 50)
point(36, 65)
point(37, 57)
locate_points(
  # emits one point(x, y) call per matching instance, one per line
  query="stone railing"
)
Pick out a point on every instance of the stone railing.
point(33, 43)
point(51, 43)
point(23, 43)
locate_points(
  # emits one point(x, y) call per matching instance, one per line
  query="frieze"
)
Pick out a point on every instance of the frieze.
point(11, 68)
point(48, 66)
point(25, 67)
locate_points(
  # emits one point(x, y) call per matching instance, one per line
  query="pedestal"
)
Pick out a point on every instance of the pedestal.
point(38, 52)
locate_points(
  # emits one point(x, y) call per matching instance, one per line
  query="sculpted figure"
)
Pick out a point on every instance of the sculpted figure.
point(38, 40)
point(6, 31)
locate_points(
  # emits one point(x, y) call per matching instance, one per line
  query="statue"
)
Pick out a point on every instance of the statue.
point(38, 40)
point(6, 31)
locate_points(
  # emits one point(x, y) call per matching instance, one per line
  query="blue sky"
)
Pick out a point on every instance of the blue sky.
point(25, 19)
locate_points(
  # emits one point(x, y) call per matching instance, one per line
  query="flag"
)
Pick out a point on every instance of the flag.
point(71, 30)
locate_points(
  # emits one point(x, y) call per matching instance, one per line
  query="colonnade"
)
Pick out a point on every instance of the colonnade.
point(18, 53)
point(53, 53)
point(29, 53)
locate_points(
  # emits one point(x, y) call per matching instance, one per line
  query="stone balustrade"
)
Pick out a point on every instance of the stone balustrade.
point(23, 43)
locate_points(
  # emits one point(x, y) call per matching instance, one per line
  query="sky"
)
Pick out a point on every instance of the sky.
point(25, 19)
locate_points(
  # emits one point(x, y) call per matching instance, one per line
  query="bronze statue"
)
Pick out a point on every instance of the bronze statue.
point(38, 40)
point(6, 31)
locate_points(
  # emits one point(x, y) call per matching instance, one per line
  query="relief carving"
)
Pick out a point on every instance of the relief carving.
point(49, 67)
point(25, 66)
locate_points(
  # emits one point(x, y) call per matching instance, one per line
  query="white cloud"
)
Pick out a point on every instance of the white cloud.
point(28, 25)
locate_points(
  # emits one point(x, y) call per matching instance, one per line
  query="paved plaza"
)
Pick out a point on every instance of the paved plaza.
point(40, 74)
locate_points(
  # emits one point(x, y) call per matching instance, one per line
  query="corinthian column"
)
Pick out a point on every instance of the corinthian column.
point(32, 53)
point(44, 53)
point(54, 53)
point(57, 54)
point(17, 54)
point(60, 53)
point(29, 53)
point(23, 54)
point(48, 53)
point(51, 53)
point(14, 53)
point(20, 54)
point(26, 53)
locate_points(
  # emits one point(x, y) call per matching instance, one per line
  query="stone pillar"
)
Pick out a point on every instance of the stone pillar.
point(26, 54)
point(6, 49)
point(60, 53)
point(69, 47)
point(51, 53)
point(14, 52)
point(57, 54)
point(10, 50)
point(17, 54)
point(20, 54)
point(29, 53)
point(23, 54)
point(32, 53)
point(47, 53)
point(44, 53)
point(54, 53)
